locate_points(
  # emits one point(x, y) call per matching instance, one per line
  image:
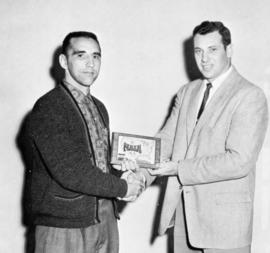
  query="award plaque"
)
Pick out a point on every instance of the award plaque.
point(144, 149)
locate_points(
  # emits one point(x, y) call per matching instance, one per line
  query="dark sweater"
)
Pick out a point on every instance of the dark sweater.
point(64, 180)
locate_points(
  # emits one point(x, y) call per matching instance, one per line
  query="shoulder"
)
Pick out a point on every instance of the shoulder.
point(188, 87)
point(99, 103)
point(246, 88)
point(49, 99)
point(56, 99)
point(100, 106)
point(245, 97)
point(50, 107)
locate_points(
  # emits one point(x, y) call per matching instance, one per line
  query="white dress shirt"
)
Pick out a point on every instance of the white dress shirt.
point(215, 85)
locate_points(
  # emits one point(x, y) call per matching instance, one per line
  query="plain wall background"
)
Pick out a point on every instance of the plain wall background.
point(143, 66)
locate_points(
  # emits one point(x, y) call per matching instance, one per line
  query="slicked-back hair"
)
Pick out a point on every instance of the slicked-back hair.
point(77, 34)
point(212, 26)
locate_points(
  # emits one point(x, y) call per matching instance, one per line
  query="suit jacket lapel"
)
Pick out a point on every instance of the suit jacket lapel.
point(224, 92)
point(192, 110)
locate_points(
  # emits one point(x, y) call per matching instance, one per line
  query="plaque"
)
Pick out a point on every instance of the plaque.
point(144, 149)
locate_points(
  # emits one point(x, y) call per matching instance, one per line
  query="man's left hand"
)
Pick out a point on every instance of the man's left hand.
point(165, 169)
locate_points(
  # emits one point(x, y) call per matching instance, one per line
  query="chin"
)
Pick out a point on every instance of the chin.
point(88, 82)
point(208, 75)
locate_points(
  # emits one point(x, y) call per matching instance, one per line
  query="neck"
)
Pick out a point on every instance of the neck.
point(223, 72)
point(84, 89)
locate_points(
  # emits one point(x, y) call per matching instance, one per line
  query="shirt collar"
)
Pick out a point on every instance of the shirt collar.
point(219, 80)
point(76, 93)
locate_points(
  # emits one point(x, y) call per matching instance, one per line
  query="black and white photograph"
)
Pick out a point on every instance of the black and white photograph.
point(134, 126)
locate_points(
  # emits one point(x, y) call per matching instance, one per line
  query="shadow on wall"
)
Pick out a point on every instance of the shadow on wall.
point(57, 74)
point(26, 217)
point(56, 71)
point(191, 68)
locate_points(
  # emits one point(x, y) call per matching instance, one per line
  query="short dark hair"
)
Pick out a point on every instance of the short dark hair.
point(212, 26)
point(77, 34)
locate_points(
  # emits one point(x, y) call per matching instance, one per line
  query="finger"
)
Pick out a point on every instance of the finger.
point(140, 180)
point(143, 180)
point(129, 199)
point(128, 156)
point(117, 166)
point(159, 166)
point(139, 184)
point(126, 175)
point(125, 164)
point(154, 172)
point(166, 160)
point(130, 165)
point(131, 177)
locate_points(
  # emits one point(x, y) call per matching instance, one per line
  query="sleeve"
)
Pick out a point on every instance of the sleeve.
point(243, 144)
point(167, 133)
point(67, 156)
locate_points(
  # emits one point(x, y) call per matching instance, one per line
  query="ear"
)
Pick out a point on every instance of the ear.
point(63, 61)
point(229, 50)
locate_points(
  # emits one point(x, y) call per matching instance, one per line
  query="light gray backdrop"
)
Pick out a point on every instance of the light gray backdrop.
point(143, 66)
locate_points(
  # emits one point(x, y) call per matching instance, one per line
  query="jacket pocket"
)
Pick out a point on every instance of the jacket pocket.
point(75, 207)
point(232, 197)
point(69, 198)
point(61, 193)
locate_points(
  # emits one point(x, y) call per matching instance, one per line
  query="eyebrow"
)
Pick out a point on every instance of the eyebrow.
point(211, 46)
point(75, 52)
point(78, 52)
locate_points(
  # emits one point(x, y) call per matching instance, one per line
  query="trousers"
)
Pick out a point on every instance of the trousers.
point(102, 237)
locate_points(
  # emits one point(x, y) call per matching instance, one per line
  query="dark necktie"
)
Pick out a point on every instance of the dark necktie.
point(205, 97)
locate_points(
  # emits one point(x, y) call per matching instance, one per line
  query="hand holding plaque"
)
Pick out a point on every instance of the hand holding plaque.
point(144, 150)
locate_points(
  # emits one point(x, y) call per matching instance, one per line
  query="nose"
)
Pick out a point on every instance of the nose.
point(90, 62)
point(204, 57)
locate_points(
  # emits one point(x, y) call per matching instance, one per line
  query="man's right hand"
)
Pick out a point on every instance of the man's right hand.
point(136, 184)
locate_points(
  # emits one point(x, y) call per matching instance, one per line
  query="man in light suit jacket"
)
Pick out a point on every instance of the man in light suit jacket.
point(210, 145)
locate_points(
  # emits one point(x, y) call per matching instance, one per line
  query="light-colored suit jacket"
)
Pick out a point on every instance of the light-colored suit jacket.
point(217, 159)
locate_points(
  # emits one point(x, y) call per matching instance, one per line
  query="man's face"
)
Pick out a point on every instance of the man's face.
point(210, 55)
point(82, 62)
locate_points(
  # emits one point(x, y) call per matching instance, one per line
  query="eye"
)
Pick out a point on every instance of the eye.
point(96, 56)
point(197, 51)
point(213, 49)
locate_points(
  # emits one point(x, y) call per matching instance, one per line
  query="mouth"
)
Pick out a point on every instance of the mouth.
point(206, 67)
point(90, 73)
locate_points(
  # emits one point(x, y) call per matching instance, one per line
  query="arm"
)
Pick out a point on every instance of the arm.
point(64, 150)
point(242, 146)
point(167, 133)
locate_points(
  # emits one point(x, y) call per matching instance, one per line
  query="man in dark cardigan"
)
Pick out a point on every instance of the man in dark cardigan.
point(72, 188)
